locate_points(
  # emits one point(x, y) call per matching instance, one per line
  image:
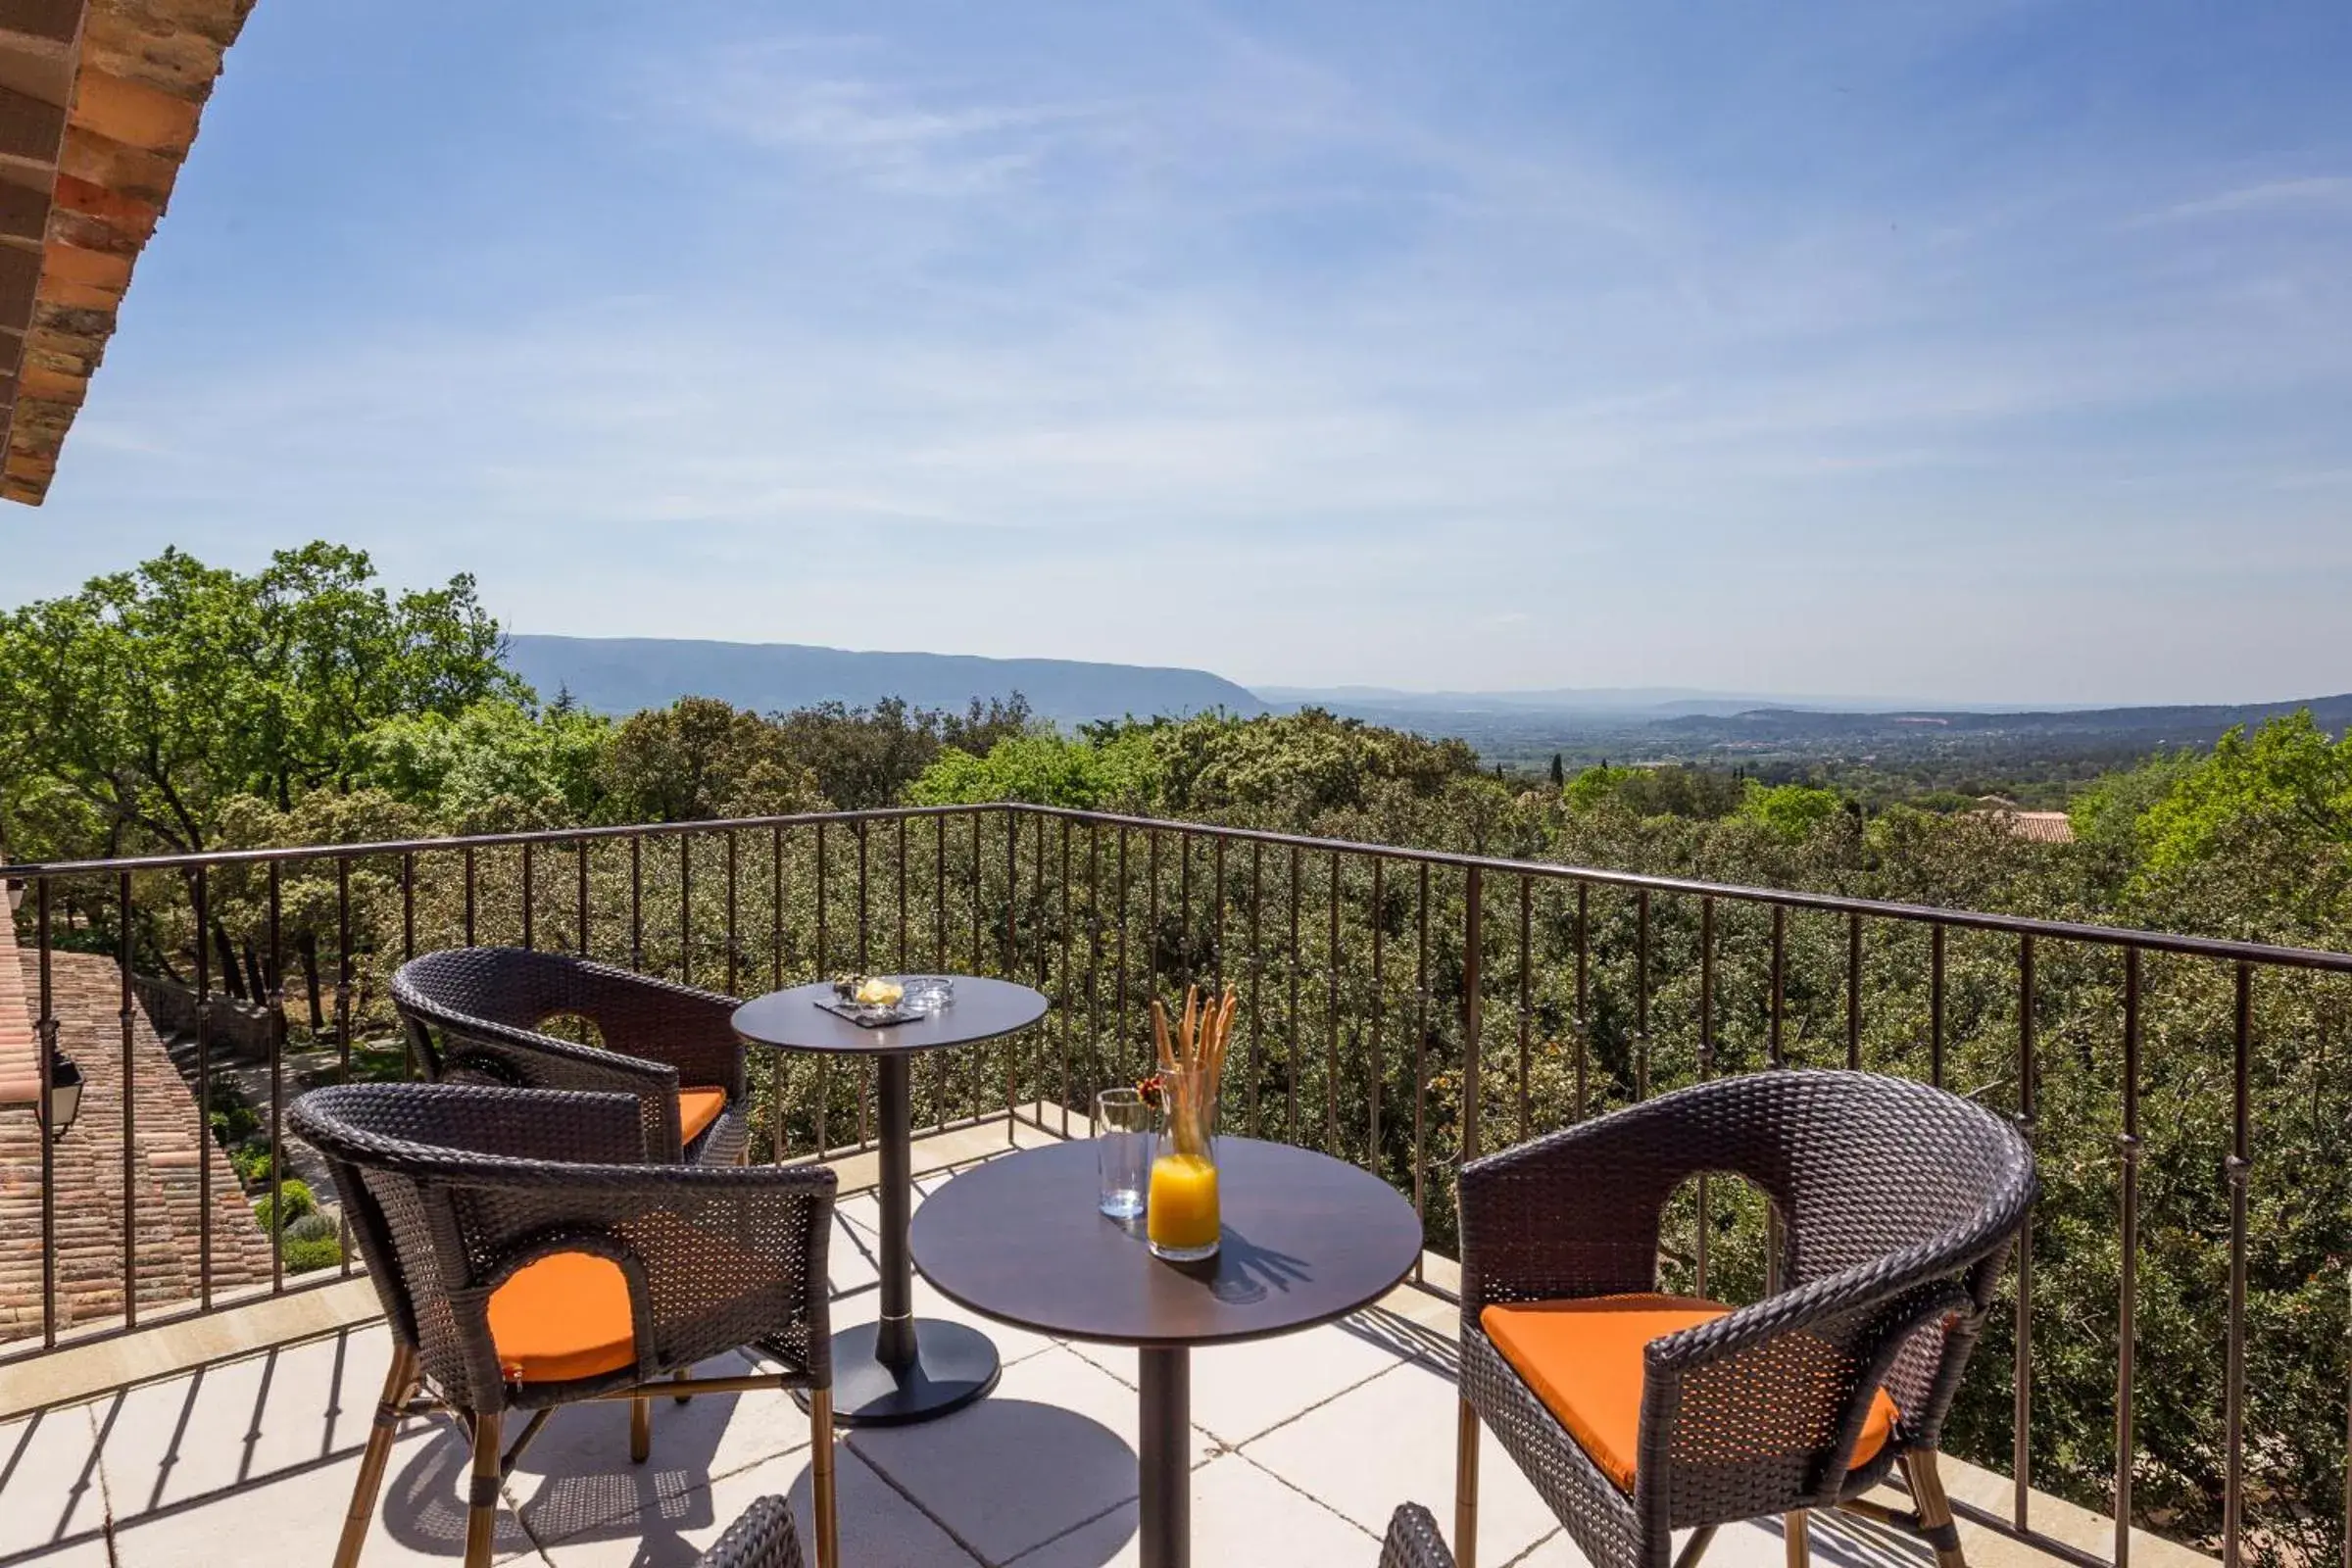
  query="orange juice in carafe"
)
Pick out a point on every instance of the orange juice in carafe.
point(1181, 1215)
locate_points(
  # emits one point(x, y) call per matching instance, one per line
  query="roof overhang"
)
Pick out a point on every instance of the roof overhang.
point(99, 103)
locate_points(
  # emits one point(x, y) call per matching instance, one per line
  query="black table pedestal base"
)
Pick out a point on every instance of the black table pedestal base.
point(952, 1366)
point(1164, 1457)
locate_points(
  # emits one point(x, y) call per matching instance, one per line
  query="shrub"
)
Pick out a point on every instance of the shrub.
point(294, 1200)
point(233, 1121)
point(317, 1225)
point(250, 1161)
point(302, 1257)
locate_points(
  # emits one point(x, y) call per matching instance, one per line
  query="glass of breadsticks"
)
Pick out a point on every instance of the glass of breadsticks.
point(1180, 1215)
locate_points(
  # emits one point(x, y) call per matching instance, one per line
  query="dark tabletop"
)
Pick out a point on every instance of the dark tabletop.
point(1306, 1239)
point(982, 1010)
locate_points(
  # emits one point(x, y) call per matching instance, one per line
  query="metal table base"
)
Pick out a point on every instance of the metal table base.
point(903, 1369)
point(1163, 1457)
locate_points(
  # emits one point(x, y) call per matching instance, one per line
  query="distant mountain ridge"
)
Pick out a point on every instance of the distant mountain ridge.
point(622, 674)
point(1623, 702)
point(2197, 722)
point(1668, 726)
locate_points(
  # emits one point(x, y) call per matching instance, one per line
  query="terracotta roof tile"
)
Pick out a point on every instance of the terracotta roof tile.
point(135, 83)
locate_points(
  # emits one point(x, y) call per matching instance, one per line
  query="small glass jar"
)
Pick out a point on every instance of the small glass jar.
point(928, 994)
point(1181, 1219)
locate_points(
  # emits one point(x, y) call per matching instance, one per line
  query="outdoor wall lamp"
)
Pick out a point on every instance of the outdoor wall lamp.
point(64, 1095)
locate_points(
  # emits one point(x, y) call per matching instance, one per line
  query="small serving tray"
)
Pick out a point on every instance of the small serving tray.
point(866, 1015)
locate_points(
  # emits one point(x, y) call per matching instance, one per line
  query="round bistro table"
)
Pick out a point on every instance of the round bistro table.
point(1306, 1239)
point(895, 1369)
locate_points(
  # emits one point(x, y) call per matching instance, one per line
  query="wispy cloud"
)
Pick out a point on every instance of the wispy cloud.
point(2329, 194)
point(1457, 353)
point(812, 96)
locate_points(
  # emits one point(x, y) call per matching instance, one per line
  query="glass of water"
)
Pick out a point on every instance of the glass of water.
point(1123, 1128)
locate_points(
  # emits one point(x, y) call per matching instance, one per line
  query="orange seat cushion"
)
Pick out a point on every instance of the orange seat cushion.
point(565, 1316)
point(698, 1108)
point(1583, 1360)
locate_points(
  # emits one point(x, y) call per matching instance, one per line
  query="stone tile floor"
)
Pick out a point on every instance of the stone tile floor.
point(1302, 1448)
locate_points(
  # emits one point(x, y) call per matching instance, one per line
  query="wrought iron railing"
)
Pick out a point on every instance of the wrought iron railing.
point(1403, 1008)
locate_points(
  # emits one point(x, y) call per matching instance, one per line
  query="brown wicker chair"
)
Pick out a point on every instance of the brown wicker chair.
point(1414, 1541)
point(1899, 1205)
point(528, 1256)
point(478, 1014)
point(761, 1537)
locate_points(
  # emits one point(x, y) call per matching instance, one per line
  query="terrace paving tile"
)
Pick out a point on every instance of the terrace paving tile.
point(236, 1423)
point(576, 1477)
point(1241, 1514)
point(851, 1256)
point(1053, 1447)
point(1241, 1392)
point(878, 1525)
point(296, 1515)
point(52, 1494)
point(1391, 1440)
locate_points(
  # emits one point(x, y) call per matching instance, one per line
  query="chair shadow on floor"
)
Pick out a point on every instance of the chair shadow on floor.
point(576, 1481)
point(423, 1502)
point(1405, 1338)
point(1845, 1541)
point(1000, 1459)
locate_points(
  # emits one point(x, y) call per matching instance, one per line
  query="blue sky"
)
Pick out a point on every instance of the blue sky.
point(1971, 351)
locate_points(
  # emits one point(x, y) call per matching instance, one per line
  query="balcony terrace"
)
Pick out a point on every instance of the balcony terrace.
point(1302, 1446)
point(1402, 1009)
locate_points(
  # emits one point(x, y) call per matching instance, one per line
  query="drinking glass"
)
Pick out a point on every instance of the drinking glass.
point(1123, 1151)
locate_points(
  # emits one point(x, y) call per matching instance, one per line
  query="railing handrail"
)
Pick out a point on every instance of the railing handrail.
point(1786, 898)
point(2215, 947)
point(30, 870)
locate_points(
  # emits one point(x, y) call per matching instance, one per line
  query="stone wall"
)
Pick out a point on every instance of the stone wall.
point(166, 1155)
point(235, 1027)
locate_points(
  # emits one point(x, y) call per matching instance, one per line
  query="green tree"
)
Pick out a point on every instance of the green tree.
point(2289, 780)
point(1299, 768)
point(861, 757)
point(865, 758)
point(1792, 811)
point(153, 695)
point(1667, 790)
point(700, 759)
point(495, 766)
point(309, 896)
point(1043, 769)
point(1594, 787)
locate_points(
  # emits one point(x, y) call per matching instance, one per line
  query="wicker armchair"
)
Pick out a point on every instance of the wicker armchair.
point(477, 1014)
point(761, 1537)
point(1635, 1414)
point(527, 1256)
point(1414, 1541)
